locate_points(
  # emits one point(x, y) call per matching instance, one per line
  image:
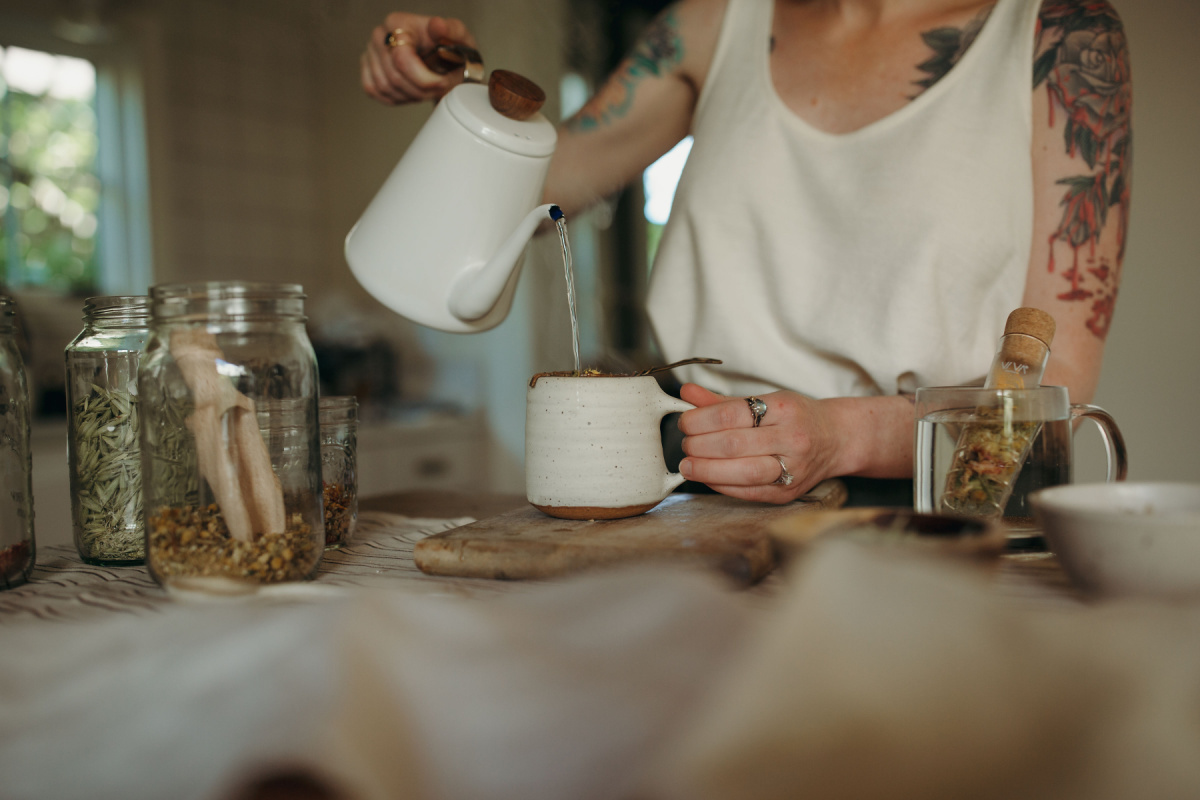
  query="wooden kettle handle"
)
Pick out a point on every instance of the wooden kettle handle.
point(513, 95)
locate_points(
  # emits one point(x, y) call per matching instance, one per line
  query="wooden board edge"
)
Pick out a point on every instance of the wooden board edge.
point(444, 559)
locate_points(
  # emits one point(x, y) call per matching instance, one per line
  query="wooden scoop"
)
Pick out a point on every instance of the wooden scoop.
point(513, 95)
point(230, 452)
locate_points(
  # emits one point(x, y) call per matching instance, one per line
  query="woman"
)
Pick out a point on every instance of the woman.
point(874, 185)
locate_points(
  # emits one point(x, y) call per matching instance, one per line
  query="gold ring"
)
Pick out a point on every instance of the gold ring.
point(396, 38)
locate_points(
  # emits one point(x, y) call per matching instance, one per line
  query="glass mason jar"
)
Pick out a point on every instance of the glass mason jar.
point(103, 453)
point(231, 458)
point(339, 468)
point(17, 549)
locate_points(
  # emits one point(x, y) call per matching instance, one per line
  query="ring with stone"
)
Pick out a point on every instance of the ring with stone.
point(758, 408)
point(785, 478)
point(396, 38)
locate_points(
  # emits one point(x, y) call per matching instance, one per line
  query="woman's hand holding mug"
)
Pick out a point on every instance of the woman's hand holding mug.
point(770, 449)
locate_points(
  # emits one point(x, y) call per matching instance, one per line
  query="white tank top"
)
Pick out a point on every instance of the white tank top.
point(850, 264)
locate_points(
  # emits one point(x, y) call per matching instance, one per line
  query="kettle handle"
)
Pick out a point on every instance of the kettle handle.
point(449, 55)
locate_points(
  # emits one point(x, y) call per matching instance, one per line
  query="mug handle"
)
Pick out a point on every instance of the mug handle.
point(669, 405)
point(1114, 442)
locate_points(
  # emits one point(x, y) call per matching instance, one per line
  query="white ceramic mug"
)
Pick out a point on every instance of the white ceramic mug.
point(592, 446)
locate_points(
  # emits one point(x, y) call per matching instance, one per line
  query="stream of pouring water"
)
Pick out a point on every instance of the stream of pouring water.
point(560, 222)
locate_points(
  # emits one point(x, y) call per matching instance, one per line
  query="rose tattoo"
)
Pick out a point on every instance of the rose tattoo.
point(1085, 67)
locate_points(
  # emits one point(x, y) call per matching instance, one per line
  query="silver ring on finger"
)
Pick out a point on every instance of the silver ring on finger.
point(758, 408)
point(785, 478)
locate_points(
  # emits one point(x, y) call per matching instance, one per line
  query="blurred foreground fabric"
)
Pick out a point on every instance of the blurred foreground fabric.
point(883, 677)
point(869, 674)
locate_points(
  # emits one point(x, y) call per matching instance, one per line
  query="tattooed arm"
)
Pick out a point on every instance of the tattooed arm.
point(1081, 164)
point(642, 110)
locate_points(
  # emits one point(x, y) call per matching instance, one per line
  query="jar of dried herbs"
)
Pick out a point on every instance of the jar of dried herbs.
point(103, 453)
point(16, 472)
point(339, 468)
point(231, 458)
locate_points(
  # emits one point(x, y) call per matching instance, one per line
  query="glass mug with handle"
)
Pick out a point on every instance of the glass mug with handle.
point(981, 452)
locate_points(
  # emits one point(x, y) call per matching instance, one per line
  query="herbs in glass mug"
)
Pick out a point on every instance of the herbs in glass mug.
point(991, 451)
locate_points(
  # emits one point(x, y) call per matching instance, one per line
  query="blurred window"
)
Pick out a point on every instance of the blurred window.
point(74, 205)
point(659, 182)
point(49, 190)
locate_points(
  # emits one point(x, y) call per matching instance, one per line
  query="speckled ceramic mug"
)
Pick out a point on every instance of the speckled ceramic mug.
point(592, 446)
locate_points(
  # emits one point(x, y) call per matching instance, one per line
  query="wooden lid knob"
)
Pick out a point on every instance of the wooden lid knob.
point(1031, 322)
point(513, 95)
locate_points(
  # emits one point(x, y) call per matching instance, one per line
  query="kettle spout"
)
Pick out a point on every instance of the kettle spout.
point(478, 289)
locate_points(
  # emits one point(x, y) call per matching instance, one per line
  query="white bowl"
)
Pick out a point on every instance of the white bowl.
point(1125, 538)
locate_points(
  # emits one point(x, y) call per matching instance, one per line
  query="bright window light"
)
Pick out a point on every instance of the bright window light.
point(660, 180)
point(49, 147)
point(573, 93)
point(36, 73)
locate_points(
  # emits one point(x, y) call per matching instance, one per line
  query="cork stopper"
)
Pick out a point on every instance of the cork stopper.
point(1022, 357)
point(1031, 322)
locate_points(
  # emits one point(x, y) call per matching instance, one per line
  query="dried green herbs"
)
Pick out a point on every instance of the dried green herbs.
point(108, 476)
point(175, 479)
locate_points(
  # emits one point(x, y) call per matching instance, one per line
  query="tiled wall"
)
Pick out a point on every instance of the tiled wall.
point(240, 196)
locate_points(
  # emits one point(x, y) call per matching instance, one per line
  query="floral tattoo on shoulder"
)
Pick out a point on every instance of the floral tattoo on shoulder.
point(948, 44)
point(657, 53)
point(1083, 61)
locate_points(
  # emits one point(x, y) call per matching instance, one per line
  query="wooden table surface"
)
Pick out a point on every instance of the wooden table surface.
point(1034, 576)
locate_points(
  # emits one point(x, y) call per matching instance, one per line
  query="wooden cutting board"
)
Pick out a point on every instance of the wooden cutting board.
point(713, 530)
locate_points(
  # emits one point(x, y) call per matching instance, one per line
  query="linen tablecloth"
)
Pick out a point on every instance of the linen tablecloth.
point(63, 588)
point(862, 673)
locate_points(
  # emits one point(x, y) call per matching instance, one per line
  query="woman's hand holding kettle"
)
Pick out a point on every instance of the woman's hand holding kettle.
point(401, 63)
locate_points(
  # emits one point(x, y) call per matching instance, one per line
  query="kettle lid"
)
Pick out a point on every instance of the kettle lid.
point(469, 104)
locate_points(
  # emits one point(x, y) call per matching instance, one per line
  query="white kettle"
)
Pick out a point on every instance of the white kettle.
point(441, 242)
